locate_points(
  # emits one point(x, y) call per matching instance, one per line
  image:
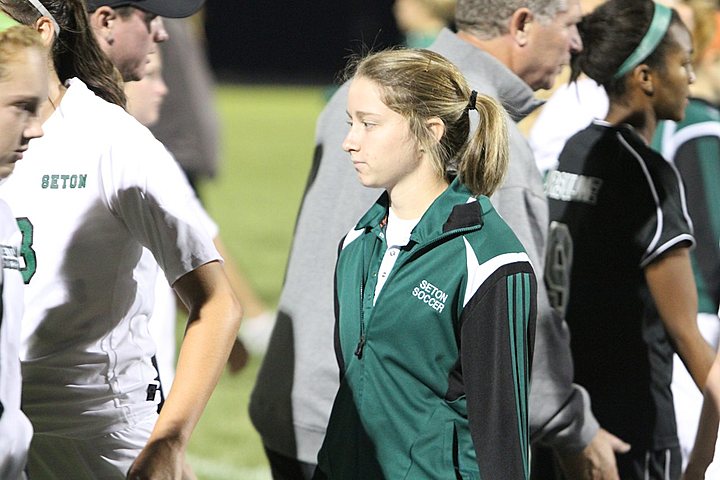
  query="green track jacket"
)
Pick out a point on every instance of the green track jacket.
point(434, 376)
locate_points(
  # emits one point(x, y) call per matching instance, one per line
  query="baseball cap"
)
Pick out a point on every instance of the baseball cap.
point(162, 8)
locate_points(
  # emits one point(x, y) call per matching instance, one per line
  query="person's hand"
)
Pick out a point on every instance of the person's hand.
point(597, 460)
point(159, 460)
point(238, 358)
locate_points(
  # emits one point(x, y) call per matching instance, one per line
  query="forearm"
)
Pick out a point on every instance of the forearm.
point(706, 437)
point(704, 448)
point(213, 322)
point(672, 285)
point(696, 354)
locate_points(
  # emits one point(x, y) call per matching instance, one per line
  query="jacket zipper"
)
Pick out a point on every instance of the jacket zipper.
point(362, 340)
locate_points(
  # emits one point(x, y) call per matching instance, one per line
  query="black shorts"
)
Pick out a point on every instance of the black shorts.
point(651, 465)
point(286, 468)
point(641, 465)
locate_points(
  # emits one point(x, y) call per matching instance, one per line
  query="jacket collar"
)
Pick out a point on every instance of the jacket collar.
point(454, 209)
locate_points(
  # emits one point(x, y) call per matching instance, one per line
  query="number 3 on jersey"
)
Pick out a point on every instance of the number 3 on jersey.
point(27, 254)
point(558, 264)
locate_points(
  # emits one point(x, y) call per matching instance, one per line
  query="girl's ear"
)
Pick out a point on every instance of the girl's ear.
point(437, 128)
point(45, 27)
point(643, 76)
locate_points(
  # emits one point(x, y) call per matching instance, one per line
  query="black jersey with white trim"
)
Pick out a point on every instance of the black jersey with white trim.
point(615, 207)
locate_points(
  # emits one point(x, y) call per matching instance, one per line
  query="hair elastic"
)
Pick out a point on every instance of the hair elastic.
point(45, 13)
point(658, 27)
point(471, 102)
point(6, 21)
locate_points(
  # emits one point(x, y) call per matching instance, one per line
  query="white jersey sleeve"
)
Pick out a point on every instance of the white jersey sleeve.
point(150, 194)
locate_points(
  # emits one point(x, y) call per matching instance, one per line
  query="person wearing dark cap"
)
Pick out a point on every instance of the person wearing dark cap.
point(128, 30)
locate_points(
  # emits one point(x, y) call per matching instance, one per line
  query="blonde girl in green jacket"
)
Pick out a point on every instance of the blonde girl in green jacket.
point(435, 296)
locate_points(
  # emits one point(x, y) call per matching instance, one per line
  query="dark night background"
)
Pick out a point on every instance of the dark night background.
point(288, 41)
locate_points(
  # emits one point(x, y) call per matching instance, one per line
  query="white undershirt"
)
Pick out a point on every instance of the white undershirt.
point(397, 235)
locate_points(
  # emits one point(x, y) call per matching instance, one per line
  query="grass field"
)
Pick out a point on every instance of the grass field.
point(267, 149)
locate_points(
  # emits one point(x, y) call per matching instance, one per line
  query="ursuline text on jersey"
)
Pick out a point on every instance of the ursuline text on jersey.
point(569, 187)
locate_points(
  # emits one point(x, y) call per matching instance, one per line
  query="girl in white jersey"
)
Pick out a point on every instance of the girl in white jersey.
point(100, 189)
point(23, 87)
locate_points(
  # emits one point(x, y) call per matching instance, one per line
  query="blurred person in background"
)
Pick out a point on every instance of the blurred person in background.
point(189, 127)
point(561, 117)
point(420, 21)
point(145, 96)
point(144, 100)
point(693, 146)
point(505, 49)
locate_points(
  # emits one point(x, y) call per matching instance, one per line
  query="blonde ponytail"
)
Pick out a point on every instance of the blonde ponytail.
point(484, 160)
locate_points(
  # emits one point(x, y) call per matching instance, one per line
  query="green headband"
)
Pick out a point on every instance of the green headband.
point(6, 21)
point(658, 27)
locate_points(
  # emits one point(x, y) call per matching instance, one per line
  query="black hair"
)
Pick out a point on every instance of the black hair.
point(610, 34)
